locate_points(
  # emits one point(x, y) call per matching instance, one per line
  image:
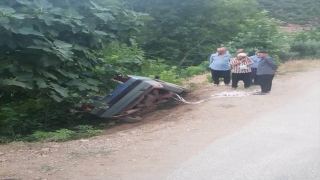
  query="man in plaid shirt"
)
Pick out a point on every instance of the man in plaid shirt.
point(241, 70)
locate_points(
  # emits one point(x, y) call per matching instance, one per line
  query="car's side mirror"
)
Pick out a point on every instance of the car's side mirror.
point(157, 77)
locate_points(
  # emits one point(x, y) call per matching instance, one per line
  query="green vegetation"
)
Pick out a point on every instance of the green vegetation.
point(293, 11)
point(186, 32)
point(55, 54)
point(80, 131)
point(306, 45)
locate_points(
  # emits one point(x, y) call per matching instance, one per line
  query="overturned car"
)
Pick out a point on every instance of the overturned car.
point(133, 97)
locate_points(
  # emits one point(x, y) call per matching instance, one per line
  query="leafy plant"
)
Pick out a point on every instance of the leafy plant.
point(49, 47)
point(292, 11)
point(184, 33)
point(171, 76)
point(61, 135)
point(306, 44)
point(257, 33)
point(87, 130)
point(194, 70)
point(125, 59)
point(29, 115)
point(57, 136)
point(307, 49)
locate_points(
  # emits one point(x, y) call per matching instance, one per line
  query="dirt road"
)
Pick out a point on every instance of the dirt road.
point(281, 145)
point(154, 148)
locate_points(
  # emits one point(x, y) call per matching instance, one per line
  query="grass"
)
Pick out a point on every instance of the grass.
point(298, 66)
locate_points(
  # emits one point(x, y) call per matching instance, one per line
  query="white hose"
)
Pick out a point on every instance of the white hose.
point(218, 95)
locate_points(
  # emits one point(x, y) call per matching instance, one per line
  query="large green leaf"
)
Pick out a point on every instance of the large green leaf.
point(43, 4)
point(18, 16)
point(68, 74)
point(48, 18)
point(105, 16)
point(80, 85)
point(62, 91)
point(66, 53)
point(4, 20)
point(101, 33)
point(41, 83)
point(72, 14)
point(48, 75)
point(7, 10)
point(55, 97)
point(93, 81)
point(24, 2)
point(11, 82)
point(29, 31)
point(24, 76)
point(62, 44)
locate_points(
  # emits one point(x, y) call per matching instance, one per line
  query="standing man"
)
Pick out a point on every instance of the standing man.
point(223, 47)
point(241, 51)
point(266, 70)
point(220, 66)
point(254, 66)
point(241, 70)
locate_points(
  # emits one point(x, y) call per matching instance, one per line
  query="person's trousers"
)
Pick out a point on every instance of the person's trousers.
point(245, 77)
point(254, 77)
point(266, 82)
point(216, 75)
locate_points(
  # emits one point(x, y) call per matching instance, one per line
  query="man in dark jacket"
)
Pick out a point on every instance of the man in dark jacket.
point(266, 70)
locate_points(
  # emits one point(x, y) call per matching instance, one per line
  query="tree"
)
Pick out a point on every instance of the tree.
point(187, 32)
point(259, 32)
point(51, 47)
point(293, 11)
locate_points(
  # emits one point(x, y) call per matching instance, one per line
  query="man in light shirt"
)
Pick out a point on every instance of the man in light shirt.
point(220, 66)
point(223, 47)
point(254, 67)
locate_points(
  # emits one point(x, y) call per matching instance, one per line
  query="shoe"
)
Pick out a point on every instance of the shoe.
point(260, 93)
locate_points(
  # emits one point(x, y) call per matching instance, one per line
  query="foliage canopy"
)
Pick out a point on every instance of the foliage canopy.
point(51, 47)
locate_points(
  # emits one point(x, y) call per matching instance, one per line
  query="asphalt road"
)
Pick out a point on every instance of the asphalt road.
point(282, 145)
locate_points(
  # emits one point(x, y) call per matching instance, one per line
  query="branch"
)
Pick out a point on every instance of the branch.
point(188, 53)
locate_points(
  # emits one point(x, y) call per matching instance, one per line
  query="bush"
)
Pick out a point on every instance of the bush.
point(308, 49)
point(286, 56)
point(125, 59)
point(57, 136)
point(171, 76)
point(49, 48)
point(25, 117)
point(194, 70)
point(132, 61)
point(61, 135)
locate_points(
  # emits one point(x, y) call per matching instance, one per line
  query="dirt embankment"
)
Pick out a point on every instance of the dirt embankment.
point(295, 28)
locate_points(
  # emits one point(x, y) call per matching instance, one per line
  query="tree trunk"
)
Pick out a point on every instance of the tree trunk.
point(188, 53)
